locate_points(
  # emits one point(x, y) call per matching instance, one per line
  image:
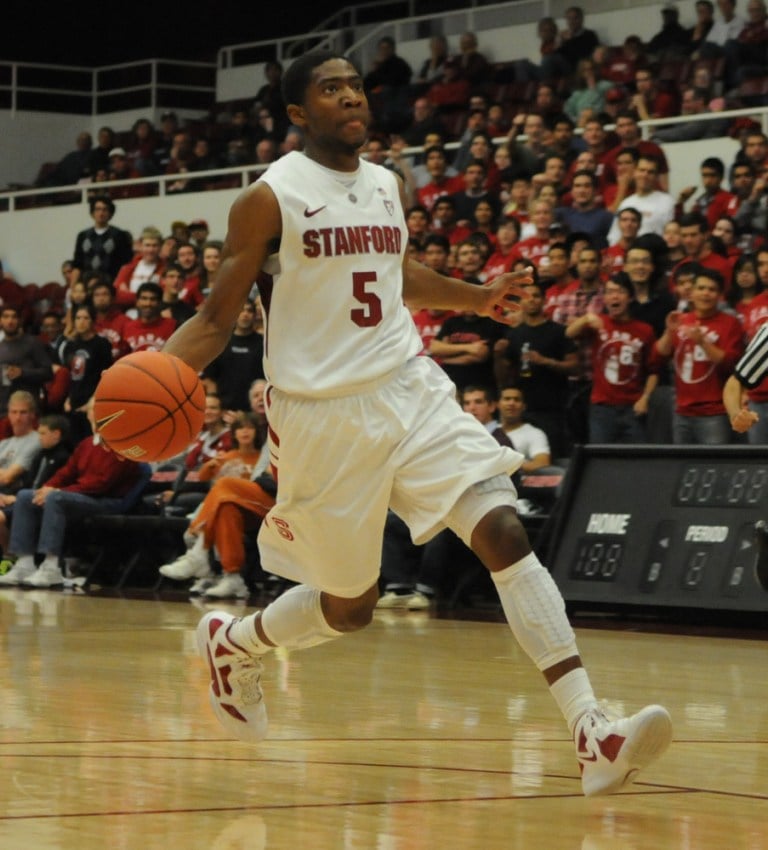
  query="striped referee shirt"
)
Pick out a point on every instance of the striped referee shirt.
point(753, 366)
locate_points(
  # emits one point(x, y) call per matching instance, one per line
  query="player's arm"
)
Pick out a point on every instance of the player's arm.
point(735, 401)
point(255, 224)
point(425, 288)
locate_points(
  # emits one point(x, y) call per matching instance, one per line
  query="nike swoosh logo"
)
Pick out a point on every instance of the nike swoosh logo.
point(106, 420)
point(308, 213)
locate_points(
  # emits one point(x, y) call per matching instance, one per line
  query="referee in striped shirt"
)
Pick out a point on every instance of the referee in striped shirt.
point(749, 372)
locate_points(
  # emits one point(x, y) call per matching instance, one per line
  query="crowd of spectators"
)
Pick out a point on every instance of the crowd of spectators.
point(642, 301)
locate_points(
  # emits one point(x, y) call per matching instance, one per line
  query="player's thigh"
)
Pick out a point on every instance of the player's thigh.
point(446, 453)
point(333, 491)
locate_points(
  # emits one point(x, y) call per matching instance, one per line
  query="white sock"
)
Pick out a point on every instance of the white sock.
point(573, 695)
point(50, 562)
point(294, 620)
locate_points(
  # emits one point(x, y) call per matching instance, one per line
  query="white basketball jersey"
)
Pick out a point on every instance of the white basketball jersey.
point(334, 311)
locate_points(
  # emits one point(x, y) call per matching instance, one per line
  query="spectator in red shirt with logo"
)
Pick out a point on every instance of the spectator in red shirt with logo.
point(623, 378)
point(704, 345)
point(150, 331)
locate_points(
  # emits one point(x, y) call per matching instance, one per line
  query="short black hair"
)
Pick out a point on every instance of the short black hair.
point(439, 240)
point(712, 275)
point(299, 75)
point(56, 422)
point(153, 288)
point(715, 164)
point(86, 305)
point(694, 219)
point(102, 199)
point(622, 279)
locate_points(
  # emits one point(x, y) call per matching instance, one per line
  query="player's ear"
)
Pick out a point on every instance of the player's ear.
point(296, 114)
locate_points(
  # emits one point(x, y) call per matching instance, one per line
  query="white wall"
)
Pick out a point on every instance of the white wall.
point(34, 243)
point(29, 139)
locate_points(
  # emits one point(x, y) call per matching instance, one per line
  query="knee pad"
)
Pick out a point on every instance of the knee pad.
point(478, 500)
point(535, 611)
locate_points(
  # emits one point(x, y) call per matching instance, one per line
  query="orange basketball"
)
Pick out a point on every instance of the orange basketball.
point(149, 406)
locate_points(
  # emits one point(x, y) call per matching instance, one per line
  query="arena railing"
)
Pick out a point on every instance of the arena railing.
point(75, 90)
point(242, 176)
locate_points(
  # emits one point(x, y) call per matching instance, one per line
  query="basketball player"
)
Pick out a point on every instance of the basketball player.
point(359, 423)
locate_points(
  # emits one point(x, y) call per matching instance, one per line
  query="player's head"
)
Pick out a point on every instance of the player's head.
point(326, 101)
point(300, 74)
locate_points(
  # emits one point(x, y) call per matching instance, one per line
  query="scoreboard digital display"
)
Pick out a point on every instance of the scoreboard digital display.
point(662, 526)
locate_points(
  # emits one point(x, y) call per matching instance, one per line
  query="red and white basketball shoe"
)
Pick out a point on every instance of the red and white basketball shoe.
point(611, 753)
point(235, 692)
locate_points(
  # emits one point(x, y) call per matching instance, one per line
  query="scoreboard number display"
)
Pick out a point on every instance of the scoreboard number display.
point(662, 526)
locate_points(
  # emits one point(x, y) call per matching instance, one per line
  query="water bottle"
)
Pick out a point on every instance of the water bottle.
point(525, 363)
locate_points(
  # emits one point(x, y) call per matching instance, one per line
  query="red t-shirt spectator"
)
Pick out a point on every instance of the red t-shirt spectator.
point(621, 361)
point(112, 327)
point(427, 195)
point(698, 380)
point(148, 336)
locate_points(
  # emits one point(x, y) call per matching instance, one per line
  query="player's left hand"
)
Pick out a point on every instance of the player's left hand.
point(504, 296)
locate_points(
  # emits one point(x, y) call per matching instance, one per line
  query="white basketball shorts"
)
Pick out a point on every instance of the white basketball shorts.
point(401, 442)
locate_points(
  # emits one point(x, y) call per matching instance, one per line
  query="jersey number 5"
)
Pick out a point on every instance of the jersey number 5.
point(370, 315)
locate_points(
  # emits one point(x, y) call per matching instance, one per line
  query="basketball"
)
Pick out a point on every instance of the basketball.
point(149, 406)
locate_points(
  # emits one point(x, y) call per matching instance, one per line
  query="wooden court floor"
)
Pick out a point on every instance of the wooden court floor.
point(418, 733)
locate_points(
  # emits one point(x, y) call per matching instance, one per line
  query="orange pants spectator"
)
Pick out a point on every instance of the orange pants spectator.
point(230, 506)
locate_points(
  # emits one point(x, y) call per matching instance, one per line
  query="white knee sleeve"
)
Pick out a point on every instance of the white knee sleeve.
point(295, 620)
point(536, 612)
point(478, 500)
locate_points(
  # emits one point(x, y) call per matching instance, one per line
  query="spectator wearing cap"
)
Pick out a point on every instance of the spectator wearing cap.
point(103, 247)
point(616, 100)
point(120, 168)
point(198, 232)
